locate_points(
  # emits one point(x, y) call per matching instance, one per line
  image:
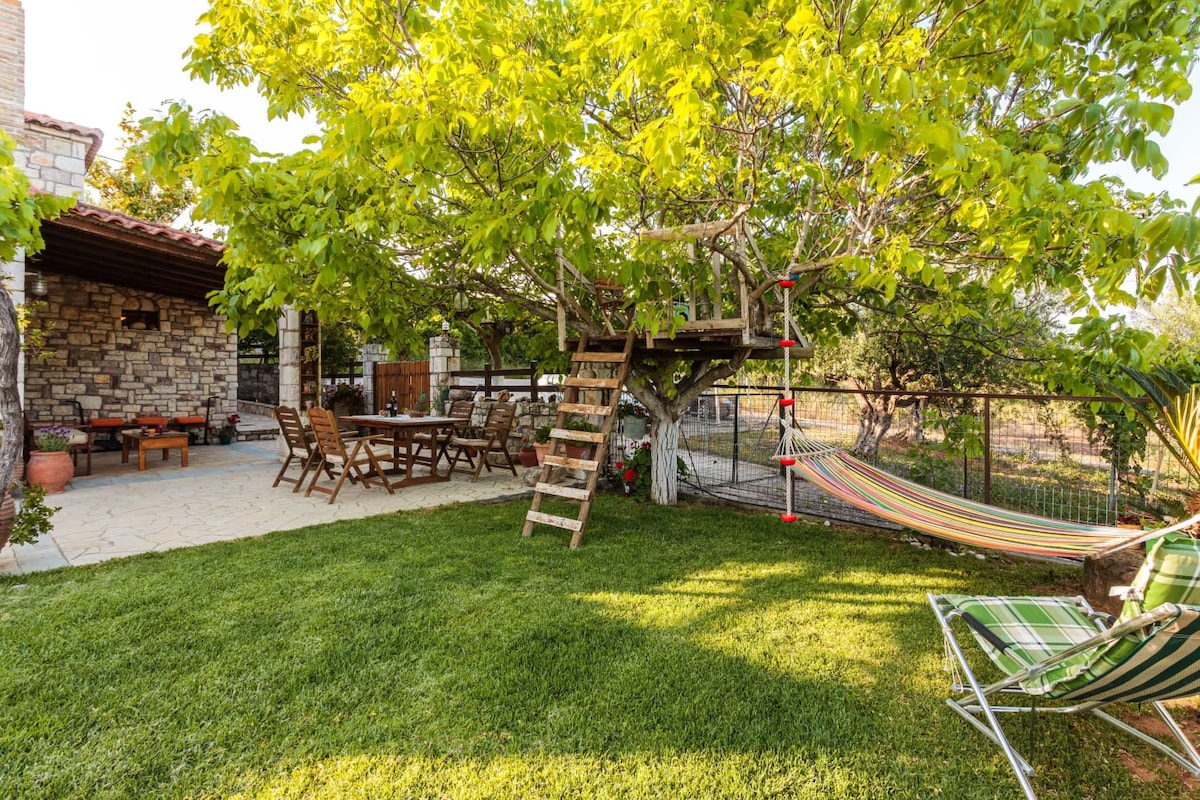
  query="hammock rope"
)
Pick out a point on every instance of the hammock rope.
point(966, 521)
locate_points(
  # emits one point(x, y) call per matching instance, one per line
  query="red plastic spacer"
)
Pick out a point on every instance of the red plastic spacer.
point(787, 342)
point(786, 283)
point(787, 462)
point(788, 517)
point(787, 401)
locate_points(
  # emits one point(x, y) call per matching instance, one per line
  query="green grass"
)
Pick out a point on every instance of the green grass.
point(681, 653)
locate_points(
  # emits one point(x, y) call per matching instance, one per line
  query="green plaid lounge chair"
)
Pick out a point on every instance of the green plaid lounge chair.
point(1059, 649)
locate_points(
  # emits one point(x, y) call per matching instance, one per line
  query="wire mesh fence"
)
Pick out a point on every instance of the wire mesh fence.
point(1030, 454)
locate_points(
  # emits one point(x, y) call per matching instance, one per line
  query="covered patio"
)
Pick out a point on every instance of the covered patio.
point(224, 493)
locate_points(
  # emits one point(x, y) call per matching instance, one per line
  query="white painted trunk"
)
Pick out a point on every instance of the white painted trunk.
point(664, 450)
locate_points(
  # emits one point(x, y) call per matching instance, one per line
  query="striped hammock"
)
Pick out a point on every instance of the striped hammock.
point(949, 517)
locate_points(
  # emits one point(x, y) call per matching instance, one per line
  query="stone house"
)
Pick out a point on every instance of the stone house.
point(120, 300)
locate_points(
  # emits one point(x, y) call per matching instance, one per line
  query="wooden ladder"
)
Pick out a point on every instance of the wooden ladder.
point(571, 407)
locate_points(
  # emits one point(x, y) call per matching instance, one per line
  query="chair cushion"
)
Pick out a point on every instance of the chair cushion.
point(107, 422)
point(76, 437)
point(189, 420)
point(1170, 574)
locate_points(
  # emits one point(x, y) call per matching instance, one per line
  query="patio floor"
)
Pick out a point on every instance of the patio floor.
point(224, 493)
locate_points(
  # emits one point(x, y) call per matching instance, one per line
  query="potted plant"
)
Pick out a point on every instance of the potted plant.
point(633, 473)
point(634, 418)
point(580, 449)
point(541, 442)
point(527, 455)
point(228, 431)
point(50, 463)
point(343, 398)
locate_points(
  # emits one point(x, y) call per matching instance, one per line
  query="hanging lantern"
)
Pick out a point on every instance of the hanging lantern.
point(39, 288)
point(462, 302)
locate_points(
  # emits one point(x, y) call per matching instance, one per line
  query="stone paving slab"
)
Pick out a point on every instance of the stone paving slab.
point(224, 493)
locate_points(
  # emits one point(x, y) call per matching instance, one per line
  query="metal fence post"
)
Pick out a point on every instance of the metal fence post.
point(987, 450)
point(737, 402)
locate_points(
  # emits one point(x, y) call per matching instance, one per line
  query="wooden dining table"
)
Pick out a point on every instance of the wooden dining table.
point(402, 429)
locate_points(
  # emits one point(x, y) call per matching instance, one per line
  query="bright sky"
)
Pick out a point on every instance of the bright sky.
point(86, 58)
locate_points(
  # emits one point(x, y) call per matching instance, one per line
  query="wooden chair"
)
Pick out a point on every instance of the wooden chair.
point(460, 411)
point(366, 452)
point(492, 438)
point(300, 448)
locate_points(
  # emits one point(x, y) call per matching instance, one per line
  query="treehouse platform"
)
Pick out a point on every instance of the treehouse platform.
point(717, 339)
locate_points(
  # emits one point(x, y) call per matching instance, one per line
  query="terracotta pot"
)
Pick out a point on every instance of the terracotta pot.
point(51, 470)
point(540, 449)
point(8, 510)
point(529, 458)
point(581, 453)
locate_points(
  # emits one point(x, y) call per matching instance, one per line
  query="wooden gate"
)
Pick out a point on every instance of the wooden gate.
point(408, 379)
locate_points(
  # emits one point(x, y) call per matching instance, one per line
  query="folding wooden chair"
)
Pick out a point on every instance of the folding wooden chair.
point(460, 411)
point(1058, 649)
point(300, 447)
point(366, 452)
point(491, 438)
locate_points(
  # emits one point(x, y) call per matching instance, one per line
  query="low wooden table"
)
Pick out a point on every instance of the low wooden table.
point(153, 441)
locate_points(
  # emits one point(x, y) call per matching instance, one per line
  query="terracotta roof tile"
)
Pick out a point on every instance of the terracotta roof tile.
point(95, 134)
point(152, 228)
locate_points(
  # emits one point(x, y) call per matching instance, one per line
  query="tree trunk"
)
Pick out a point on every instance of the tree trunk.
point(874, 420)
point(664, 450)
point(12, 437)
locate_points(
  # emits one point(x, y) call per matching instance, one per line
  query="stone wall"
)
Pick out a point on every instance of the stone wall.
point(530, 416)
point(121, 372)
point(56, 159)
point(259, 383)
point(12, 68)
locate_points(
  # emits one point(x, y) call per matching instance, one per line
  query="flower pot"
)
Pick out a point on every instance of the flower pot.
point(540, 449)
point(582, 453)
point(226, 438)
point(634, 427)
point(529, 458)
point(51, 470)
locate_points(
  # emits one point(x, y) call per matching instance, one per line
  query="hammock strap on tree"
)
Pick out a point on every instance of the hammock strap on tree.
point(948, 517)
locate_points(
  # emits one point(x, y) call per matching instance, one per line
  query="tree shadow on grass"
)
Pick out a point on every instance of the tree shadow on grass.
point(693, 651)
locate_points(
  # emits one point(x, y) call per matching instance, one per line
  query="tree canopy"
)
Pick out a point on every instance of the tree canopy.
point(127, 188)
point(517, 149)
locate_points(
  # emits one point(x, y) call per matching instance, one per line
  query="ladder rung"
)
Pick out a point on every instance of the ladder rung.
point(576, 436)
point(571, 463)
point(558, 490)
point(584, 408)
point(558, 522)
point(592, 383)
point(599, 358)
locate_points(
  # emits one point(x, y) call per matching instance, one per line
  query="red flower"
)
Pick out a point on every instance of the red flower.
point(645, 445)
point(620, 465)
point(630, 474)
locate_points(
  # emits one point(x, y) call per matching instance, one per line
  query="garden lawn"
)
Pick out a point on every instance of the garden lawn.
point(693, 652)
